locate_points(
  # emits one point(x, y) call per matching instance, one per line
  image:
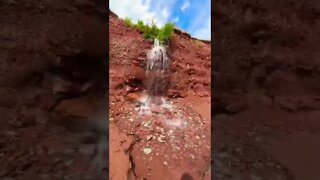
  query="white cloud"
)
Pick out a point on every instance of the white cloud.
point(146, 10)
point(185, 6)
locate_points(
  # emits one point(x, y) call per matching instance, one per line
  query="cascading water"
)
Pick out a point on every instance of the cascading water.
point(157, 75)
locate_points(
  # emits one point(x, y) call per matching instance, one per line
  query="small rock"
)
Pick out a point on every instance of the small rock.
point(160, 138)
point(147, 150)
point(146, 124)
point(165, 163)
point(149, 137)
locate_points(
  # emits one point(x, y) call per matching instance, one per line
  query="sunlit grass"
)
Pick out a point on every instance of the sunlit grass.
point(151, 31)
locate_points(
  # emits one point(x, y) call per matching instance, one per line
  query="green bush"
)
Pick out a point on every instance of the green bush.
point(163, 34)
point(128, 22)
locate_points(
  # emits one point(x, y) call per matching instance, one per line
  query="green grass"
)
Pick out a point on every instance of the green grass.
point(163, 34)
point(128, 22)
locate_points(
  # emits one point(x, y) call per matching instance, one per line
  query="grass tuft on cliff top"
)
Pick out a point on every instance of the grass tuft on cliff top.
point(163, 34)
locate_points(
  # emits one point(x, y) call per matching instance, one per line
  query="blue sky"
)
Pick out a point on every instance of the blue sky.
point(192, 16)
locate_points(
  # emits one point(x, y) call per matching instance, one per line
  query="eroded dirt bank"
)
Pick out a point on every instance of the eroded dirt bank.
point(266, 89)
point(171, 144)
point(53, 90)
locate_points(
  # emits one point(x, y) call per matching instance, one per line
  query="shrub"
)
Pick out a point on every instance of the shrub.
point(165, 33)
point(128, 22)
point(152, 31)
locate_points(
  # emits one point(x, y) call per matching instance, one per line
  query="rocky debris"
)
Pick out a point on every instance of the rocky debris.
point(164, 131)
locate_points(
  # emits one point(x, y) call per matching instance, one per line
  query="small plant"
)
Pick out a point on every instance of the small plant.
point(128, 22)
point(163, 34)
point(140, 25)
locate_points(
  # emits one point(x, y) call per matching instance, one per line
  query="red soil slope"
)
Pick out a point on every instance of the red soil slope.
point(176, 153)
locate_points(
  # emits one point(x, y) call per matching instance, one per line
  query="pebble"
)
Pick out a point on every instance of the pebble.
point(149, 137)
point(147, 150)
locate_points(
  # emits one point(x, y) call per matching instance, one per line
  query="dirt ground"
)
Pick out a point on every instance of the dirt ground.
point(53, 103)
point(266, 94)
point(167, 145)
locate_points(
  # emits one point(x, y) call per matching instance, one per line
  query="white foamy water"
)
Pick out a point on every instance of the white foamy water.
point(157, 83)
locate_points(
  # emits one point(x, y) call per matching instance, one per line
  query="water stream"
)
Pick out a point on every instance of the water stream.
point(157, 78)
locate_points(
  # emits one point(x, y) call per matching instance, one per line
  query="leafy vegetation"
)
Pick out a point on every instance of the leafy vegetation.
point(163, 34)
point(128, 22)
